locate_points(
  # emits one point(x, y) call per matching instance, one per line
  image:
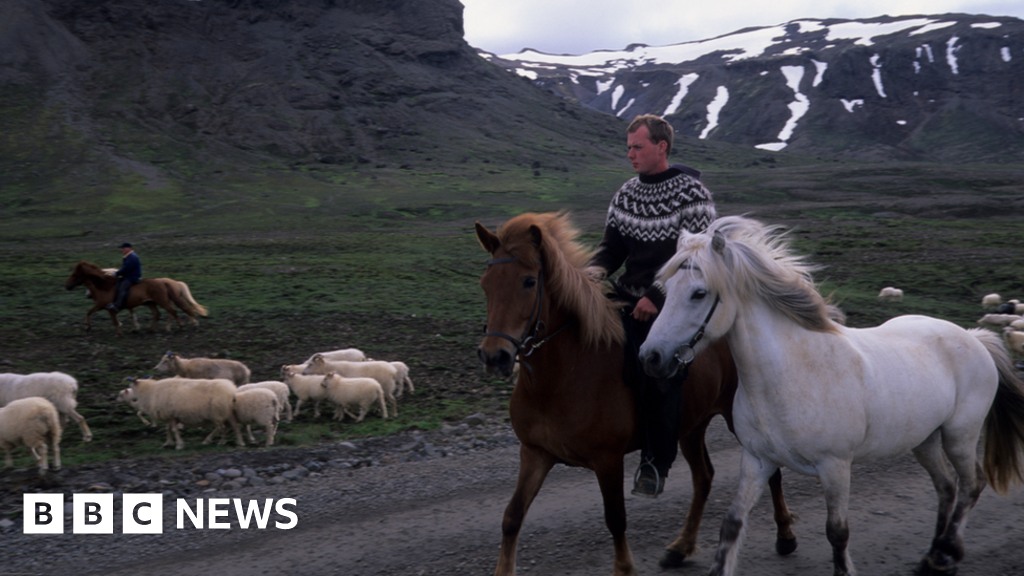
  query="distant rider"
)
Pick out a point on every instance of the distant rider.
point(127, 276)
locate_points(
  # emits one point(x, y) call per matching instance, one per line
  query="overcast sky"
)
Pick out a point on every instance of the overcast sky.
point(581, 26)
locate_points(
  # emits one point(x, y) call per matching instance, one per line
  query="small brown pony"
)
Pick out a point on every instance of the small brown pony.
point(150, 292)
point(571, 404)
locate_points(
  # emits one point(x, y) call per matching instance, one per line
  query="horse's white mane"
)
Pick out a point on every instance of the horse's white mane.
point(743, 258)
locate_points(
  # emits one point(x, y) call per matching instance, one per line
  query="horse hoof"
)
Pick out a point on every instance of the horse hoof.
point(672, 559)
point(785, 546)
point(925, 568)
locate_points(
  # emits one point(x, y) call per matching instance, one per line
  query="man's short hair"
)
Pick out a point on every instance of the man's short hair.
point(126, 245)
point(657, 127)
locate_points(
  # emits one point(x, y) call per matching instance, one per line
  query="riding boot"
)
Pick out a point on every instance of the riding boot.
point(121, 291)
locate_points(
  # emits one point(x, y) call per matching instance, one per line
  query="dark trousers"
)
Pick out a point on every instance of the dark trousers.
point(121, 290)
point(659, 401)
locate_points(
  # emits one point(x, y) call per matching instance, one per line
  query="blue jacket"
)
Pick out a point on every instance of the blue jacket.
point(131, 268)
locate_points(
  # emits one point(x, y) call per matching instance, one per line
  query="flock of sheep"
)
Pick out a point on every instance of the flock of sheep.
point(1007, 317)
point(34, 408)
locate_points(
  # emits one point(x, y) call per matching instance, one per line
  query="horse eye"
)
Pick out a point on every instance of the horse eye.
point(529, 282)
point(699, 294)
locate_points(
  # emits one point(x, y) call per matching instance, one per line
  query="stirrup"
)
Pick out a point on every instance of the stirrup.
point(649, 491)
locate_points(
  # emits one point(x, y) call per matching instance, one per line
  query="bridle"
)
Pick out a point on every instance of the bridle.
point(685, 354)
point(527, 342)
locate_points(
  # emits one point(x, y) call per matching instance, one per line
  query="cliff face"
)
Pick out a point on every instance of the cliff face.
point(332, 81)
point(947, 88)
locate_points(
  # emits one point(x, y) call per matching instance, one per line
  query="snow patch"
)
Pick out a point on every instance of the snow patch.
point(684, 86)
point(1005, 51)
point(626, 107)
point(986, 25)
point(931, 28)
point(951, 50)
point(526, 73)
point(865, 32)
point(851, 104)
point(616, 94)
point(603, 87)
point(716, 105)
point(901, 122)
point(876, 76)
point(799, 107)
point(820, 67)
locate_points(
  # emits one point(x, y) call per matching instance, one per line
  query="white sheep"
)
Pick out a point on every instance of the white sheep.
point(34, 423)
point(306, 388)
point(188, 401)
point(257, 406)
point(1018, 325)
point(890, 294)
point(998, 320)
point(59, 388)
point(204, 368)
point(991, 300)
point(402, 378)
point(349, 354)
point(1014, 340)
point(382, 372)
point(349, 393)
point(281, 390)
point(128, 398)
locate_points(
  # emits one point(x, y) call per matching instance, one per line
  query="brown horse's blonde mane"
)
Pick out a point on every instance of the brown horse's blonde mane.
point(572, 284)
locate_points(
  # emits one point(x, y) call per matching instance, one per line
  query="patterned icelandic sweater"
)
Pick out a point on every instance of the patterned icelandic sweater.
point(643, 224)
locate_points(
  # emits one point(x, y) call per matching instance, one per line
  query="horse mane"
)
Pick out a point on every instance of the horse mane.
point(571, 282)
point(90, 270)
point(755, 261)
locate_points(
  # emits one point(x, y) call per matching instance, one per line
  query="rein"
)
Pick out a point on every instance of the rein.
point(527, 342)
point(685, 354)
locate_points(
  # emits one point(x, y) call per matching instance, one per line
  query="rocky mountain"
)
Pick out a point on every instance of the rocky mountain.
point(175, 84)
point(944, 88)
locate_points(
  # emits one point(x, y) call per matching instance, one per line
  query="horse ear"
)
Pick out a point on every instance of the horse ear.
point(536, 236)
point(486, 238)
point(718, 241)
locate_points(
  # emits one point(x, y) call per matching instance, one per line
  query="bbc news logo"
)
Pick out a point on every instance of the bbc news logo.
point(144, 513)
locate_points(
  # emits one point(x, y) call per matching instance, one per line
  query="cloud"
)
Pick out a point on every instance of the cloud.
point(580, 26)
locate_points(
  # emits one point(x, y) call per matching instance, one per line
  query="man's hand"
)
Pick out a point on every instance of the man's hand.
point(645, 310)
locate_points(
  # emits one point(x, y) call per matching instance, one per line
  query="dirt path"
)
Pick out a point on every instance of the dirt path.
point(443, 516)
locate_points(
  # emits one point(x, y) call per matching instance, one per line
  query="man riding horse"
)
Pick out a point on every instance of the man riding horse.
point(127, 275)
point(643, 224)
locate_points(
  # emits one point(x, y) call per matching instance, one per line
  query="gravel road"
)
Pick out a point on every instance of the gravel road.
point(432, 504)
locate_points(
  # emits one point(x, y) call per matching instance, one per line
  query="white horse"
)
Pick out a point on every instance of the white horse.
point(815, 396)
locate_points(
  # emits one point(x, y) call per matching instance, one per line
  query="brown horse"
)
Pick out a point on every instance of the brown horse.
point(571, 405)
point(150, 292)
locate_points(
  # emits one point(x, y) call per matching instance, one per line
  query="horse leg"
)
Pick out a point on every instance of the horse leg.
point(947, 548)
point(785, 540)
point(135, 319)
point(115, 321)
point(835, 479)
point(88, 316)
point(929, 454)
point(534, 465)
point(701, 473)
point(754, 475)
point(156, 316)
point(609, 478)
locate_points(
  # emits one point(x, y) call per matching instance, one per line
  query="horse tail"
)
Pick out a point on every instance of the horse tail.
point(1004, 425)
point(186, 295)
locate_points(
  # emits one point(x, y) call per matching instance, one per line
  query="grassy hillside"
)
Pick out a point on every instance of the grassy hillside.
point(293, 261)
